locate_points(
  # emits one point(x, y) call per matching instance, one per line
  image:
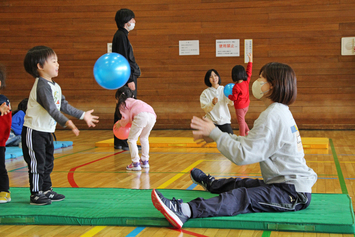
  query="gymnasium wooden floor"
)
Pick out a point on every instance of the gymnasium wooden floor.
point(86, 166)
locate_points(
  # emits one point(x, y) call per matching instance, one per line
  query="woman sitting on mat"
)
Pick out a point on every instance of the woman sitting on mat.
point(274, 143)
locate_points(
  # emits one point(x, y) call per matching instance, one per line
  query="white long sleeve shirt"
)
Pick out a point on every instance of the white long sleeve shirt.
point(274, 143)
point(218, 113)
point(44, 107)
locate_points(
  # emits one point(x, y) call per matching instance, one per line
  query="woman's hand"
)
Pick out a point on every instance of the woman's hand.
point(203, 127)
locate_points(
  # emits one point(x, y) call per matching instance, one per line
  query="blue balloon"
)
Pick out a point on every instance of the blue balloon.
point(228, 89)
point(112, 71)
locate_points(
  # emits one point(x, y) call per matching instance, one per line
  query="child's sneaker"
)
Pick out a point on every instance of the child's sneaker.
point(200, 178)
point(53, 196)
point(134, 166)
point(39, 199)
point(144, 163)
point(171, 209)
point(5, 197)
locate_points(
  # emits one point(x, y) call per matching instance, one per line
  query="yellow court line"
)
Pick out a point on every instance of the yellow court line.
point(320, 161)
point(170, 181)
point(93, 231)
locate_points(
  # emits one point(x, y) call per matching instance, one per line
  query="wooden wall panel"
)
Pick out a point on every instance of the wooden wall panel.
point(304, 34)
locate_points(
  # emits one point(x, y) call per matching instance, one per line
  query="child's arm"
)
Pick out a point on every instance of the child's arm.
point(45, 99)
point(71, 125)
point(250, 56)
point(4, 109)
point(249, 66)
point(90, 119)
point(234, 96)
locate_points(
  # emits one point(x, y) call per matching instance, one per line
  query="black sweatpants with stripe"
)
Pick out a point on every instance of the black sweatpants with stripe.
point(4, 177)
point(38, 150)
point(237, 196)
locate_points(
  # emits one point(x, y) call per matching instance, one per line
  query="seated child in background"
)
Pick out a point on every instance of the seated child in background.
point(240, 93)
point(215, 103)
point(274, 143)
point(142, 117)
point(5, 127)
point(17, 123)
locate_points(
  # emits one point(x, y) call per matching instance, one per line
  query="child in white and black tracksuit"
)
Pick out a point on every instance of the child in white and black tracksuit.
point(274, 143)
point(44, 107)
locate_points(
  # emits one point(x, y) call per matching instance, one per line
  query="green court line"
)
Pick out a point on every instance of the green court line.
point(337, 165)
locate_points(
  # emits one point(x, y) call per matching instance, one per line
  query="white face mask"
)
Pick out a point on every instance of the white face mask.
point(256, 89)
point(131, 27)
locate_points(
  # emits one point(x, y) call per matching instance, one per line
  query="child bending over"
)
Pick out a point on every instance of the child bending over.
point(142, 117)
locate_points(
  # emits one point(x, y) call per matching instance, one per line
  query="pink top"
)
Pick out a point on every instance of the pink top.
point(133, 107)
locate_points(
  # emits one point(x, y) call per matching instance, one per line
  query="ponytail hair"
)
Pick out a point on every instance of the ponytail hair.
point(122, 94)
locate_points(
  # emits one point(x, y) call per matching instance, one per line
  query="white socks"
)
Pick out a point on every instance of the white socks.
point(186, 210)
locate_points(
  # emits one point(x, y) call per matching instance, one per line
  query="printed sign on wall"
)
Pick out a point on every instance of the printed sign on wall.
point(227, 48)
point(189, 47)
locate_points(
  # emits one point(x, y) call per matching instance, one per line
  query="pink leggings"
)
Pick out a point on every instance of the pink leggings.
point(243, 126)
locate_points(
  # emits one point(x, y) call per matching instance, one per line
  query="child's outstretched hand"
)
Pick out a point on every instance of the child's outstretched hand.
point(117, 125)
point(203, 127)
point(4, 109)
point(71, 125)
point(91, 119)
point(250, 56)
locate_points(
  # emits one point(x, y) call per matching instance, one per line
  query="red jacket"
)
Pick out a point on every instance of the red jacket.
point(240, 92)
point(5, 123)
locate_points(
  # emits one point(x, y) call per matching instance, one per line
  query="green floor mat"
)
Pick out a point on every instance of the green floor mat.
point(328, 213)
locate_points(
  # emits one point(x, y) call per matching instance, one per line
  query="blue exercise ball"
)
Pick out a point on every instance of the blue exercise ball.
point(228, 89)
point(112, 71)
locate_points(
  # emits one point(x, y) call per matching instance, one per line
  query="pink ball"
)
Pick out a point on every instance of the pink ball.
point(123, 132)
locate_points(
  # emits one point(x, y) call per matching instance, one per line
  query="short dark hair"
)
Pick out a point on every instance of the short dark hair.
point(23, 105)
point(283, 80)
point(239, 73)
point(123, 16)
point(2, 75)
point(208, 75)
point(34, 56)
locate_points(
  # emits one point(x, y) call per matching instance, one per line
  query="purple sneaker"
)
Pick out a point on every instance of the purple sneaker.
point(144, 163)
point(134, 166)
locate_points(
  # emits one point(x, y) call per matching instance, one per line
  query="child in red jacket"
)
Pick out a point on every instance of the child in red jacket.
point(240, 93)
point(5, 128)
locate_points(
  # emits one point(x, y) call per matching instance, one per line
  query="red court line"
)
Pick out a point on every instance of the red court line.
point(72, 170)
point(74, 185)
point(188, 232)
